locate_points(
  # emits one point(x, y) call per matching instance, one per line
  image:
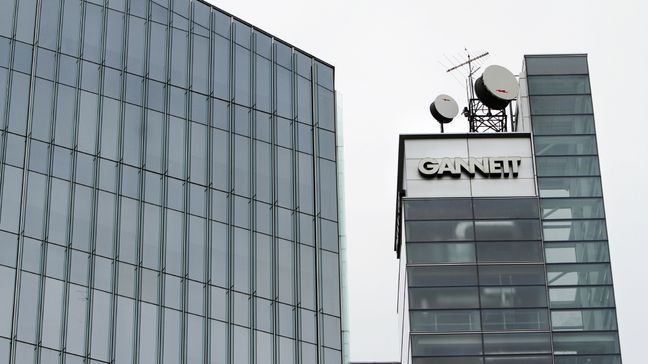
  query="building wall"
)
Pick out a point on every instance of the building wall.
point(511, 275)
point(582, 302)
point(167, 188)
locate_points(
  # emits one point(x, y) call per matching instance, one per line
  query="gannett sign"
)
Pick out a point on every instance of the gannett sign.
point(488, 167)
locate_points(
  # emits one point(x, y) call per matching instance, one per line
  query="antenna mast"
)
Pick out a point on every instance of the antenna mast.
point(481, 118)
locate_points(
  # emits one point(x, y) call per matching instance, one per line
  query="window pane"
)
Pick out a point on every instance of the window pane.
point(76, 322)
point(556, 85)
point(503, 297)
point(444, 321)
point(555, 209)
point(597, 359)
point(439, 230)
point(535, 359)
point(19, 102)
point(547, 65)
point(450, 345)
point(507, 230)
point(328, 189)
point(179, 57)
point(570, 187)
point(577, 297)
point(284, 92)
point(579, 274)
point(438, 298)
point(505, 208)
point(509, 275)
point(326, 113)
point(442, 276)
point(92, 33)
point(519, 319)
point(577, 252)
point(565, 145)
point(583, 320)
point(71, 24)
point(563, 124)
point(440, 253)
point(331, 283)
point(518, 343)
point(438, 209)
point(574, 230)
point(148, 334)
point(7, 282)
point(52, 311)
point(586, 343)
point(284, 175)
point(565, 104)
point(450, 360)
point(528, 251)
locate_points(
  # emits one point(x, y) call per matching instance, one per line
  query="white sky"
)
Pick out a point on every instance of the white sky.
point(387, 55)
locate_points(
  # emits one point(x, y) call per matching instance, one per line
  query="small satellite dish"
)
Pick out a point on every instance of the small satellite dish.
point(444, 108)
point(496, 87)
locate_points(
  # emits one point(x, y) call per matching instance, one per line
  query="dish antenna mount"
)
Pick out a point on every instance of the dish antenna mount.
point(488, 97)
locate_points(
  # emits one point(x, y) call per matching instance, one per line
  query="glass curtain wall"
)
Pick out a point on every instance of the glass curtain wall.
point(583, 315)
point(167, 188)
point(476, 280)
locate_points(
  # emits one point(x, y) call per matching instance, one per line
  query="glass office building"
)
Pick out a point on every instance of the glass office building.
point(512, 268)
point(168, 188)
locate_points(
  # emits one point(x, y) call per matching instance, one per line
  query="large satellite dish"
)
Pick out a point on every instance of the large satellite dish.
point(444, 109)
point(496, 87)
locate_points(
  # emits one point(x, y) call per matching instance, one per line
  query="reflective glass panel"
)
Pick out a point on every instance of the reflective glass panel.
point(556, 65)
point(444, 321)
point(446, 345)
point(556, 85)
point(518, 343)
point(577, 252)
point(504, 297)
point(516, 319)
point(577, 297)
point(565, 145)
point(563, 124)
point(437, 209)
point(439, 298)
point(439, 230)
point(442, 276)
point(578, 274)
point(583, 320)
point(574, 230)
point(586, 343)
point(440, 253)
point(583, 208)
point(570, 187)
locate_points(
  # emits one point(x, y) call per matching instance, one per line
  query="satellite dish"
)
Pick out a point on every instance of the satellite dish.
point(496, 87)
point(444, 108)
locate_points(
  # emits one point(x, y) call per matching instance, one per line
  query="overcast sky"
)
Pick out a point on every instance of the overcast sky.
point(390, 60)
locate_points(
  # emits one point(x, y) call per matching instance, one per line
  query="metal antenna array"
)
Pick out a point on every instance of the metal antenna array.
point(482, 117)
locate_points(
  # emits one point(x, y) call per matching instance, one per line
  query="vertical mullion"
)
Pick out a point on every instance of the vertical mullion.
point(137, 322)
point(318, 229)
point(118, 198)
point(23, 206)
point(164, 190)
point(70, 212)
point(295, 208)
point(274, 216)
point(185, 214)
point(230, 200)
point(208, 195)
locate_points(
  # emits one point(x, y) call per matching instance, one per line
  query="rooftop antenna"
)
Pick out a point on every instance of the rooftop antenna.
point(489, 96)
point(444, 108)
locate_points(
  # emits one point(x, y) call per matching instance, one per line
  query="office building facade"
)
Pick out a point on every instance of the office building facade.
point(502, 236)
point(168, 188)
